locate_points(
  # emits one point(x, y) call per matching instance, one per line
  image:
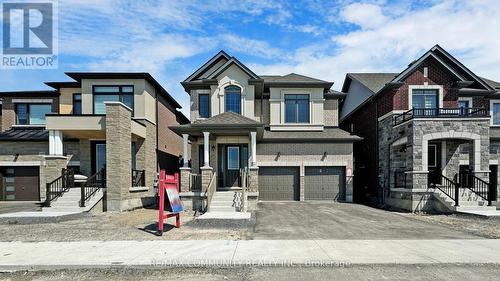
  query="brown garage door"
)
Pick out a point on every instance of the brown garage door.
point(19, 184)
point(279, 183)
point(324, 183)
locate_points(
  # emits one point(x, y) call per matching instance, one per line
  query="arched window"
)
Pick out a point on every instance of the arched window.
point(233, 99)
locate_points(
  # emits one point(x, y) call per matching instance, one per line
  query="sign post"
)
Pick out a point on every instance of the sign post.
point(169, 185)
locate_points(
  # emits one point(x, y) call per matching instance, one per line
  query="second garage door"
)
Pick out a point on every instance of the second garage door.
point(279, 183)
point(324, 183)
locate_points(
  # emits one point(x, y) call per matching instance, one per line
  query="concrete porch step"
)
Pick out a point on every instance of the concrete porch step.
point(222, 209)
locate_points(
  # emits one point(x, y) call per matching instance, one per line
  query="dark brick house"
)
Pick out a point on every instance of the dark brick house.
point(426, 130)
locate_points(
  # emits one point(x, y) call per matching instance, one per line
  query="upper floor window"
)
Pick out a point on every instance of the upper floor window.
point(495, 112)
point(102, 94)
point(204, 105)
point(32, 114)
point(233, 99)
point(425, 98)
point(77, 104)
point(296, 108)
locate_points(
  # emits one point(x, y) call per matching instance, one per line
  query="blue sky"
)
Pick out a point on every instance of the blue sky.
point(324, 39)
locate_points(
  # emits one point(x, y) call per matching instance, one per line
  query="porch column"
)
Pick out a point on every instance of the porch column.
point(55, 142)
point(185, 138)
point(206, 147)
point(253, 140)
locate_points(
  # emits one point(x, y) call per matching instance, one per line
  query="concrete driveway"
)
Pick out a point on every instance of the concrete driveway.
point(331, 220)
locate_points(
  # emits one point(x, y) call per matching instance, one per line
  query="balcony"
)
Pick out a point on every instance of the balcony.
point(440, 113)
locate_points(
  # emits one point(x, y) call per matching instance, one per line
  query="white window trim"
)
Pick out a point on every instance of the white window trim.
point(425, 87)
point(282, 106)
point(469, 99)
point(491, 113)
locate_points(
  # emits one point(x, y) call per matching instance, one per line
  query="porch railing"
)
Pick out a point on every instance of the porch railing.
point(449, 187)
point(212, 186)
point(57, 187)
point(480, 187)
point(92, 185)
point(400, 179)
point(244, 187)
point(195, 182)
point(462, 112)
point(138, 178)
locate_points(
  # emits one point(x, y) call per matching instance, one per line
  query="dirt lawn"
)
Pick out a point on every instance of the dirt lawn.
point(133, 225)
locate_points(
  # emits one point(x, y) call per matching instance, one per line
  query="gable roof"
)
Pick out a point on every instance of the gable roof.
point(378, 82)
point(230, 62)
point(210, 63)
point(226, 119)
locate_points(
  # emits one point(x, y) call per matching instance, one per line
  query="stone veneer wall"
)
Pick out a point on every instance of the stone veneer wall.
point(409, 156)
point(120, 197)
point(495, 156)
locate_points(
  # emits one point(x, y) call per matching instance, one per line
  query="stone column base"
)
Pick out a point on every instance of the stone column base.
point(185, 178)
point(253, 179)
point(206, 176)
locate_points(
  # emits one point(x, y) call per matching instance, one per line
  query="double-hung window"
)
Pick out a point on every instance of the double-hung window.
point(296, 108)
point(233, 99)
point(32, 114)
point(204, 105)
point(102, 94)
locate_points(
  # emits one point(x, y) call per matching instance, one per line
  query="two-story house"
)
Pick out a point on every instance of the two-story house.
point(284, 129)
point(430, 135)
point(109, 128)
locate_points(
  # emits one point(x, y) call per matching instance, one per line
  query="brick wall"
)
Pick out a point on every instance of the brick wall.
point(169, 143)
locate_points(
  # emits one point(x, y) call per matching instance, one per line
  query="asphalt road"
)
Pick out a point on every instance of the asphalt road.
point(331, 220)
point(376, 272)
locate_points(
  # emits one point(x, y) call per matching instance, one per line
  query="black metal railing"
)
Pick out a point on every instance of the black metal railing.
point(449, 187)
point(400, 179)
point(92, 185)
point(195, 182)
point(138, 178)
point(461, 112)
point(57, 187)
point(480, 187)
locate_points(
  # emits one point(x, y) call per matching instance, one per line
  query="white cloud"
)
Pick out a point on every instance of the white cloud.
point(367, 16)
point(250, 46)
point(466, 29)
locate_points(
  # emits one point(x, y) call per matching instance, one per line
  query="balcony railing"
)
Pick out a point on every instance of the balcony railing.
point(440, 113)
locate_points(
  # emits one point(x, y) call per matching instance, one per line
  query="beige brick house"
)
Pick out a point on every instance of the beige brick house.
point(282, 129)
point(104, 126)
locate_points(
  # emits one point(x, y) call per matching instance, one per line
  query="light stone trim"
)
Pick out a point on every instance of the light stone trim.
point(20, 163)
point(425, 87)
point(32, 101)
point(452, 135)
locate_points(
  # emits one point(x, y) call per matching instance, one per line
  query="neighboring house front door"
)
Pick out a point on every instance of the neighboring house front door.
point(434, 163)
point(98, 156)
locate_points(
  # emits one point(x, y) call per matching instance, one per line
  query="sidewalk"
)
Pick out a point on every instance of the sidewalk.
point(57, 255)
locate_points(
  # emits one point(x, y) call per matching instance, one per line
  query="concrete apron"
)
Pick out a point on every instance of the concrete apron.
point(156, 254)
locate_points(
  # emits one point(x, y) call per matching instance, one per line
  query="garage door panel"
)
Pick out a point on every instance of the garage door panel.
point(324, 183)
point(278, 183)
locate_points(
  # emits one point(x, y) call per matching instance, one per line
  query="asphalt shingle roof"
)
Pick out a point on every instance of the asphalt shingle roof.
point(374, 81)
point(292, 77)
point(226, 118)
point(333, 133)
point(493, 84)
point(32, 134)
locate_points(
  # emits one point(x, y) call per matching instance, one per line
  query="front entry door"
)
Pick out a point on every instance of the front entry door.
point(233, 166)
point(231, 158)
point(434, 163)
point(493, 181)
point(98, 156)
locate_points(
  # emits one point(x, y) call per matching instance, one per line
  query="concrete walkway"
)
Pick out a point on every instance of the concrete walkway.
point(84, 254)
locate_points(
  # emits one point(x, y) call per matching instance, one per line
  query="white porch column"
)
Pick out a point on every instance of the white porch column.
point(55, 142)
point(185, 157)
point(253, 140)
point(206, 147)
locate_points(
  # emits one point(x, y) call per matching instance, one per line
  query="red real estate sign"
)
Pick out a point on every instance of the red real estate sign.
point(169, 184)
